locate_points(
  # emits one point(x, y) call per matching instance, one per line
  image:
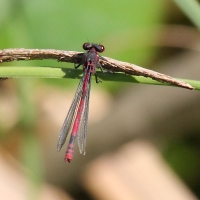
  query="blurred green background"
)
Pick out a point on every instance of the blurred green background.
point(129, 32)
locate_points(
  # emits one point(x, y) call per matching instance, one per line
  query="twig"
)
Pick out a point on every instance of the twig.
point(9, 55)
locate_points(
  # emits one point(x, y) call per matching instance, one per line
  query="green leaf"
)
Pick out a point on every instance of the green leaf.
point(192, 9)
point(54, 72)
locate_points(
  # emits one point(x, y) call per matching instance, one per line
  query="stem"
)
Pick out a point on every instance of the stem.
point(52, 72)
point(192, 9)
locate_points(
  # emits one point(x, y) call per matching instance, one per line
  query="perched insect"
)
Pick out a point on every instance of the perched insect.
point(77, 117)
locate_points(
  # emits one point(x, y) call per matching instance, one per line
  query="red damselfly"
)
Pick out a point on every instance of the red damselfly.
point(77, 118)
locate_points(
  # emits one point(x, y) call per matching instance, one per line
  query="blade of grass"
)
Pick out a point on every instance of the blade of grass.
point(53, 72)
point(192, 9)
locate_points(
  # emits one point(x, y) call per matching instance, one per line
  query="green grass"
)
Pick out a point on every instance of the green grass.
point(191, 8)
point(52, 72)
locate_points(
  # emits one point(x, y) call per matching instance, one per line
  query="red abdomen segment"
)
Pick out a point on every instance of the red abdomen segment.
point(70, 149)
point(76, 125)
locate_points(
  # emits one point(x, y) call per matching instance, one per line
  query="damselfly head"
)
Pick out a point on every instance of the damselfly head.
point(98, 47)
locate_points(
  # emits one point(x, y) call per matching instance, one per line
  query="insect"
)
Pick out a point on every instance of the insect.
point(77, 118)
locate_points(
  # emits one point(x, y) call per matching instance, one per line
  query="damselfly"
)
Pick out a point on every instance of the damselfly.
point(77, 117)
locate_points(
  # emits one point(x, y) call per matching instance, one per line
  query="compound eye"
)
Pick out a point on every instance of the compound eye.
point(86, 46)
point(102, 48)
